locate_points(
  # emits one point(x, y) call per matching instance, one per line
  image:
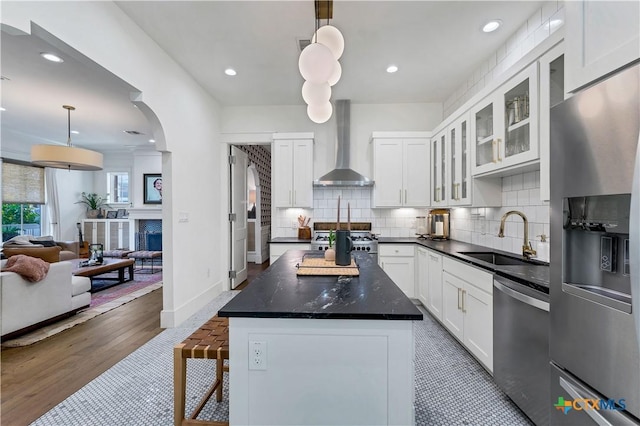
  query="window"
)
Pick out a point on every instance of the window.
point(118, 187)
point(23, 197)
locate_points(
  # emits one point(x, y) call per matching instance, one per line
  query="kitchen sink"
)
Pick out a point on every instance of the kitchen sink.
point(496, 258)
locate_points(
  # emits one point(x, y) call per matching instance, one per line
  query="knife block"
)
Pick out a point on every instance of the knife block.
point(304, 233)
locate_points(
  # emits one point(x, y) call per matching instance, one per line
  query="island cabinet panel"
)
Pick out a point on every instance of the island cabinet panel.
point(422, 275)
point(321, 371)
point(434, 299)
point(467, 309)
point(399, 263)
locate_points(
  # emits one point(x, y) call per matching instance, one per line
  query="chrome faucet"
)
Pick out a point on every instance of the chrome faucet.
point(527, 250)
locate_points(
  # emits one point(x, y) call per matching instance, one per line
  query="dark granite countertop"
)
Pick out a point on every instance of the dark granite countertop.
point(288, 240)
point(535, 275)
point(279, 293)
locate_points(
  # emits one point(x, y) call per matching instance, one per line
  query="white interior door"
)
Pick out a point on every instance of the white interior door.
point(239, 209)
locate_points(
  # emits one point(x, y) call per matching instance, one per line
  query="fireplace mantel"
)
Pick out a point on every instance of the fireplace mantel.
point(145, 214)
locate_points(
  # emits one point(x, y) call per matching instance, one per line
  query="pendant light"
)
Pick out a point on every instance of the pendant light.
point(66, 157)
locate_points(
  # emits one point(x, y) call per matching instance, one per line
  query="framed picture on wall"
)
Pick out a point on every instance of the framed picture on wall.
point(121, 213)
point(112, 214)
point(152, 184)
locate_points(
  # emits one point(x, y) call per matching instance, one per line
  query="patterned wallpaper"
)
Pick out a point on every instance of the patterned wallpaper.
point(261, 157)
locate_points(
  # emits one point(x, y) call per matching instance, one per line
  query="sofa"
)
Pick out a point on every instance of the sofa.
point(19, 245)
point(26, 305)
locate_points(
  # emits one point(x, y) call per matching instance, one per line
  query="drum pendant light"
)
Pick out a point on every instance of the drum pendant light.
point(66, 157)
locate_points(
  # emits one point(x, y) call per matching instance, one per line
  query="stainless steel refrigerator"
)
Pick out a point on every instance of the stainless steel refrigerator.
point(595, 254)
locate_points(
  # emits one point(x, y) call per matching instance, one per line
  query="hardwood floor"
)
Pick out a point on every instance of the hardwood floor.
point(36, 378)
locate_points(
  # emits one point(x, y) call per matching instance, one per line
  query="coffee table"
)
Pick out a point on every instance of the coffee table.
point(108, 265)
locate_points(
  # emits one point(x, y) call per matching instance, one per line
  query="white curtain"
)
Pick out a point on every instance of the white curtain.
point(53, 205)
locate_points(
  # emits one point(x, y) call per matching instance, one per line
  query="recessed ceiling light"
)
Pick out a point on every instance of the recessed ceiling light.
point(230, 71)
point(492, 25)
point(75, 132)
point(392, 68)
point(152, 141)
point(51, 57)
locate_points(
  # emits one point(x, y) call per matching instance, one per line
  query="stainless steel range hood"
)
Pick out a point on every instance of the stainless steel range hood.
point(342, 175)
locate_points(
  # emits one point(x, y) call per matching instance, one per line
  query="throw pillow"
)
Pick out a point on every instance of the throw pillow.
point(44, 243)
point(30, 268)
point(48, 254)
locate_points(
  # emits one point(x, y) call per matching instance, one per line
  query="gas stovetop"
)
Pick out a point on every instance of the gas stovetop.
point(361, 236)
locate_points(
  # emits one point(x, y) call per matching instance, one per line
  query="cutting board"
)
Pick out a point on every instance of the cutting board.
point(320, 266)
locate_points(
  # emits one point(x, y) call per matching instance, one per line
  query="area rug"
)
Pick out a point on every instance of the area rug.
point(100, 297)
point(101, 302)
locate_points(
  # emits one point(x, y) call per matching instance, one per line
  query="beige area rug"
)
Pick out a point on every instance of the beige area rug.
point(79, 318)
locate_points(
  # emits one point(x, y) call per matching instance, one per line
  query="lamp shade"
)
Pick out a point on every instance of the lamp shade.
point(331, 37)
point(316, 63)
point(336, 74)
point(316, 94)
point(320, 113)
point(66, 157)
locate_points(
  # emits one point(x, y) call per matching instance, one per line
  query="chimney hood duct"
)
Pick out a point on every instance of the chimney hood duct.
point(342, 175)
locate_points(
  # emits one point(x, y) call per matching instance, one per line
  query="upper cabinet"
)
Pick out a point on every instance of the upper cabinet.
point(293, 173)
point(601, 37)
point(504, 126)
point(459, 163)
point(439, 170)
point(400, 171)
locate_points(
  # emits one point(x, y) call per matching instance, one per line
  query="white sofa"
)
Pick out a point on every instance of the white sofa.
point(26, 305)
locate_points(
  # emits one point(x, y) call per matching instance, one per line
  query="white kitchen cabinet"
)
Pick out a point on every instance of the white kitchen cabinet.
point(278, 249)
point(467, 309)
point(400, 171)
point(552, 92)
point(293, 173)
point(434, 295)
point(504, 126)
point(601, 37)
point(459, 155)
point(439, 196)
point(113, 234)
point(398, 261)
point(422, 275)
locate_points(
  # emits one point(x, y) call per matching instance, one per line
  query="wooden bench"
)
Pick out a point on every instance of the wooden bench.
point(211, 341)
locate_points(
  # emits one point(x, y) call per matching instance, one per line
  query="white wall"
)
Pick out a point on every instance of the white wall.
point(365, 119)
point(189, 129)
point(545, 21)
point(70, 185)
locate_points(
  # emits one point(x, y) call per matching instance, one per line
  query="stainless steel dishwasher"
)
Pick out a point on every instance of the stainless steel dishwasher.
point(521, 346)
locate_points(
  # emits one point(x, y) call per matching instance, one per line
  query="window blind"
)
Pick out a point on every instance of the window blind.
point(22, 184)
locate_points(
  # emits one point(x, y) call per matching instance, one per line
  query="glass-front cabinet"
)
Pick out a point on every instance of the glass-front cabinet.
point(504, 126)
point(459, 172)
point(439, 169)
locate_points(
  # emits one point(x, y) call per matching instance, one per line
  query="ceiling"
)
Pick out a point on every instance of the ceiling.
point(436, 46)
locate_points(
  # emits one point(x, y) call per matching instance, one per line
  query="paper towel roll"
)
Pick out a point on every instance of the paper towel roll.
point(439, 228)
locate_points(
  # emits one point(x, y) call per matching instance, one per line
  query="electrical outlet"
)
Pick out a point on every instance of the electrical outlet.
point(257, 355)
point(294, 224)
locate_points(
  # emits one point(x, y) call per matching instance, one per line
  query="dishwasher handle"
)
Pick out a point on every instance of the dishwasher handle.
point(499, 284)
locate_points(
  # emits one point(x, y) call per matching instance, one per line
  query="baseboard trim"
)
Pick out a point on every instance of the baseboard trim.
point(173, 318)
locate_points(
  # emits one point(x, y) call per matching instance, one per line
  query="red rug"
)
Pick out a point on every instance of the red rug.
point(140, 281)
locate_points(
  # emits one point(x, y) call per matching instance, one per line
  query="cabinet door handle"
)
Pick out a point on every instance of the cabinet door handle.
point(382, 265)
point(437, 194)
point(464, 311)
point(405, 196)
point(294, 197)
point(290, 198)
point(400, 196)
point(493, 152)
point(499, 157)
point(459, 307)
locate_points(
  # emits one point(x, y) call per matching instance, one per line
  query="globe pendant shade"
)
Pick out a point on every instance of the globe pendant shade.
point(336, 74)
point(320, 113)
point(316, 63)
point(331, 37)
point(316, 94)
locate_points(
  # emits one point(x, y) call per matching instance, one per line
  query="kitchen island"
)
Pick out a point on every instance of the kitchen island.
point(321, 349)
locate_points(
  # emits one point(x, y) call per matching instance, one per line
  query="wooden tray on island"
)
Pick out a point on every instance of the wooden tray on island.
point(320, 266)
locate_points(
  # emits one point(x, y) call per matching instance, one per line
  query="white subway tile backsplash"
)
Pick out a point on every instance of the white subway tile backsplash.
point(534, 21)
point(523, 197)
point(541, 33)
point(517, 182)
